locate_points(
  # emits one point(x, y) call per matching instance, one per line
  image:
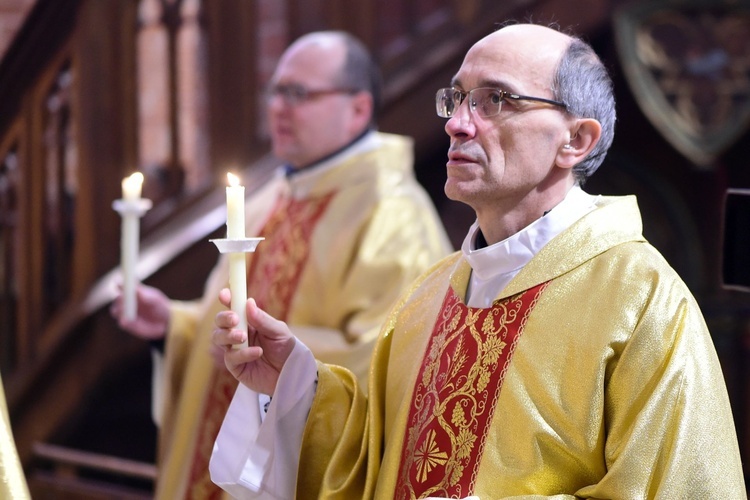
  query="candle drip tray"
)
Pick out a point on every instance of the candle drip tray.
point(132, 207)
point(240, 245)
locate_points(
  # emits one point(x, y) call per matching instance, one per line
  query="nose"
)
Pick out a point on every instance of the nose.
point(276, 102)
point(461, 123)
point(277, 107)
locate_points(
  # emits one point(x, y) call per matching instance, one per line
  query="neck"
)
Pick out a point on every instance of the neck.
point(294, 169)
point(499, 223)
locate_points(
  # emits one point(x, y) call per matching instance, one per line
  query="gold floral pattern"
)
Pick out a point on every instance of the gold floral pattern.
point(276, 266)
point(454, 400)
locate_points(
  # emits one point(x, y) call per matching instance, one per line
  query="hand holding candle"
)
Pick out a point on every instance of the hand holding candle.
point(236, 245)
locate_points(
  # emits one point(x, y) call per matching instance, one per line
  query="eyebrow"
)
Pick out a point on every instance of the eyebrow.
point(499, 84)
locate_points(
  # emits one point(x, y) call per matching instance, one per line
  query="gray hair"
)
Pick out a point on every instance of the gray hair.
point(361, 72)
point(583, 84)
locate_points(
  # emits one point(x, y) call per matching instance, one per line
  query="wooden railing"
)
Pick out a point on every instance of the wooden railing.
point(65, 473)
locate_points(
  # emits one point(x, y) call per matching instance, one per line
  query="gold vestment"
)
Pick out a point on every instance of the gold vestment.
point(12, 479)
point(375, 233)
point(614, 389)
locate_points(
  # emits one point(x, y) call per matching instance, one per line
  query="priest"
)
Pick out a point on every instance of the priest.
point(556, 355)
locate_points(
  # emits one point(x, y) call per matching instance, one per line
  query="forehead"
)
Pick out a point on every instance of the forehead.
point(311, 62)
point(517, 60)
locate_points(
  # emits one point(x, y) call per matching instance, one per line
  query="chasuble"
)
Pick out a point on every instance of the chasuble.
point(12, 479)
point(592, 375)
point(342, 240)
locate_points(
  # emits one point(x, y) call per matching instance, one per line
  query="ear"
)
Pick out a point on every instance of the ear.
point(584, 134)
point(362, 109)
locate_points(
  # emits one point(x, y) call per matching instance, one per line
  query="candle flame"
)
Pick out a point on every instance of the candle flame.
point(136, 178)
point(233, 179)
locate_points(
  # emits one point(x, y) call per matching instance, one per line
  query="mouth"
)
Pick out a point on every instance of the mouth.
point(281, 132)
point(456, 158)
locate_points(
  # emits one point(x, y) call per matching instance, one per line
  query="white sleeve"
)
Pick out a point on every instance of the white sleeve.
point(258, 458)
point(157, 386)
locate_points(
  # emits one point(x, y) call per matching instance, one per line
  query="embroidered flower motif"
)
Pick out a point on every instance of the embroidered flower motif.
point(494, 349)
point(465, 443)
point(428, 456)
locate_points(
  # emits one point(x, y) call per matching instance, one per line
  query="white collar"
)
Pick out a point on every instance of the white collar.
point(494, 266)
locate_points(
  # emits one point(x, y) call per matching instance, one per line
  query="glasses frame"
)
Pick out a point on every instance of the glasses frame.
point(439, 96)
point(294, 95)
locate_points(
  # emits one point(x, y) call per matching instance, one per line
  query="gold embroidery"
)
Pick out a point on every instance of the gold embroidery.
point(428, 456)
point(456, 393)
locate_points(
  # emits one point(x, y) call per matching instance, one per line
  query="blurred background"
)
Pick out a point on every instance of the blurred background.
point(93, 90)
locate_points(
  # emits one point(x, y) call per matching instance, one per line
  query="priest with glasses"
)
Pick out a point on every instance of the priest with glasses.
point(557, 354)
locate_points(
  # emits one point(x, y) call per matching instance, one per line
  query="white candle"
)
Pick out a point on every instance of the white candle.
point(236, 231)
point(131, 186)
point(235, 208)
point(131, 194)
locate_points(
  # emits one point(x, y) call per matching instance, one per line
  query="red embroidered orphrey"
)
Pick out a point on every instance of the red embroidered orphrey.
point(456, 392)
point(273, 277)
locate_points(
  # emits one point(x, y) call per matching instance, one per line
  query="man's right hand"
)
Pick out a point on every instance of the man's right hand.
point(152, 319)
point(270, 342)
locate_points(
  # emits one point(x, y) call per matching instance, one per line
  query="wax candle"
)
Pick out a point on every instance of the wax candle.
point(131, 195)
point(235, 208)
point(236, 231)
point(131, 186)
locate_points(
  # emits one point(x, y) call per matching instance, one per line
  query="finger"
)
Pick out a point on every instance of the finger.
point(264, 323)
point(235, 358)
point(114, 309)
point(226, 319)
point(225, 297)
point(224, 338)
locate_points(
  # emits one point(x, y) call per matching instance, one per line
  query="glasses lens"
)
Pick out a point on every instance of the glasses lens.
point(486, 101)
point(290, 94)
point(447, 101)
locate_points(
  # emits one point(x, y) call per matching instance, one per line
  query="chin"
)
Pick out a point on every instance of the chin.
point(454, 191)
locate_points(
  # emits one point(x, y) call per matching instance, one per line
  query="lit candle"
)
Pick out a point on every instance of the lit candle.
point(235, 208)
point(131, 195)
point(236, 231)
point(131, 186)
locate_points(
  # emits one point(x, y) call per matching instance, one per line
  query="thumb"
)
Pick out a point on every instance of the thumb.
point(265, 323)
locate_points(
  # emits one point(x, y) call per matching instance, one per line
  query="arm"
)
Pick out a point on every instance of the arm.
point(670, 429)
point(254, 457)
point(152, 320)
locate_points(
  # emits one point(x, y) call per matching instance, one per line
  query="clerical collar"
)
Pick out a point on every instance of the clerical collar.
point(291, 171)
point(493, 266)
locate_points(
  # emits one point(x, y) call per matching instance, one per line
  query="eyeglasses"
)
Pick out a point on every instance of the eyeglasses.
point(484, 101)
point(293, 95)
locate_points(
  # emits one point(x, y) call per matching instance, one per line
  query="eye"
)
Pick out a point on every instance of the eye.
point(494, 97)
point(296, 92)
